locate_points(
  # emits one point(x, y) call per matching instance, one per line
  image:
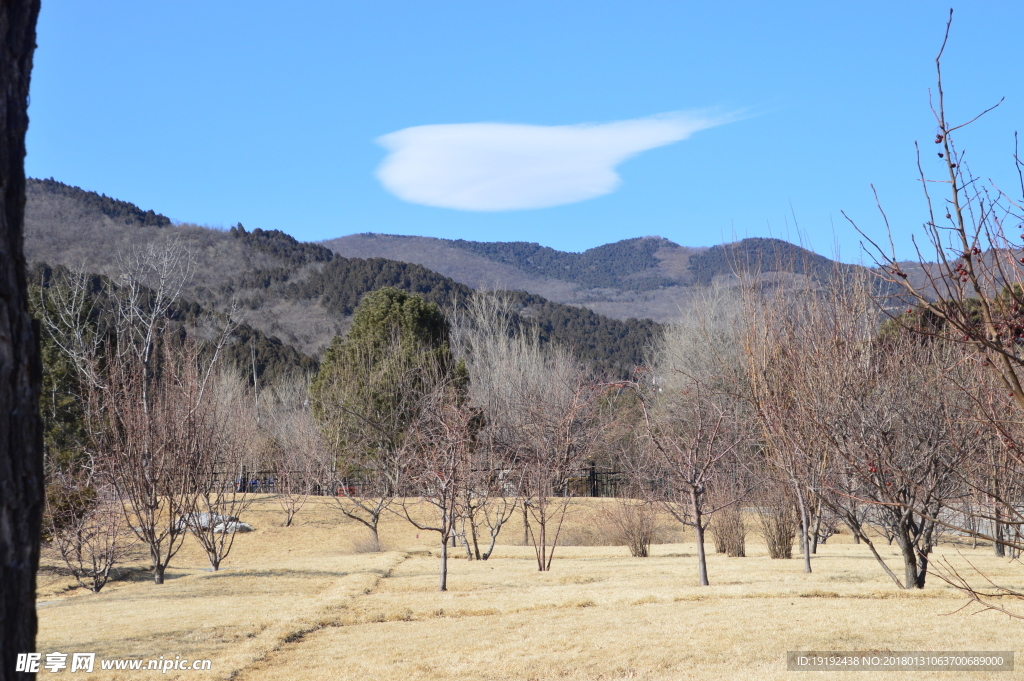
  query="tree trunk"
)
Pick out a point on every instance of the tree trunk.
point(913, 569)
point(443, 581)
point(158, 574)
point(476, 542)
point(698, 528)
point(912, 578)
point(997, 532)
point(817, 531)
point(526, 526)
point(804, 530)
point(21, 465)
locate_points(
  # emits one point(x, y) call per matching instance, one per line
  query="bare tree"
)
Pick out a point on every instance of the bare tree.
point(225, 438)
point(860, 418)
point(694, 417)
point(438, 462)
point(153, 435)
point(693, 442)
point(971, 294)
point(86, 526)
point(300, 459)
point(145, 391)
point(494, 354)
point(779, 332)
point(558, 417)
point(903, 438)
point(542, 418)
point(489, 500)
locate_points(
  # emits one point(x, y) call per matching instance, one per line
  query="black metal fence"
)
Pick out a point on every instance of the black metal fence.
point(589, 482)
point(595, 482)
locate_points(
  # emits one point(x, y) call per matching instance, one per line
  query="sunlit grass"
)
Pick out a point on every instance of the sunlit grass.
point(300, 603)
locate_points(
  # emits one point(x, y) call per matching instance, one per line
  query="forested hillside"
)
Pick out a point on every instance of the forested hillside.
point(761, 255)
point(612, 345)
point(630, 264)
point(248, 348)
point(121, 211)
point(290, 298)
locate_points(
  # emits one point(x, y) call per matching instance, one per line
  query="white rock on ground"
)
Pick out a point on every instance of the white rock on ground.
point(233, 526)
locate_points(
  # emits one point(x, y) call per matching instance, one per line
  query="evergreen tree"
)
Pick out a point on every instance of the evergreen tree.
point(369, 384)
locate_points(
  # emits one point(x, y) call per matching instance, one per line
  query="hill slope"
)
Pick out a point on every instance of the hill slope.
point(289, 293)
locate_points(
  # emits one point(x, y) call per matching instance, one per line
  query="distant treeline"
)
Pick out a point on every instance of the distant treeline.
point(760, 255)
point(612, 345)
point(276, 243)
point(247, 346)
point(610, 266)
point(120, 211)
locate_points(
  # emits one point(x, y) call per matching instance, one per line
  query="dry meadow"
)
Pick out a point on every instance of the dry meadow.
point(306, 602)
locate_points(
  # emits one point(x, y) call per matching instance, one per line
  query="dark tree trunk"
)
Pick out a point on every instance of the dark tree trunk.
point(817, 531)
point(698, 528)
point(442, 584)
point(21, 465)
point(997, 532)
point(913, 577)
point(526, 525)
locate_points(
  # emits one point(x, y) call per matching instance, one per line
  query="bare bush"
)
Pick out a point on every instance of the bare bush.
point(367, 543)
point(729, 531)
point(777, 519)
point(85, 524)
point(635, 524)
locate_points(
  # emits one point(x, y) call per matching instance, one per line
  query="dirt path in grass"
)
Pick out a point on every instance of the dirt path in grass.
point(335, 606)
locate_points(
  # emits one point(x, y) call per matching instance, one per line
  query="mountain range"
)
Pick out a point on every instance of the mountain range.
point(294, 297)
point(648, 277)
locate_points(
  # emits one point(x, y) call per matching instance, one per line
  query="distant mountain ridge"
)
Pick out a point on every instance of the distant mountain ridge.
point(630, 264)
point(645, 277)
point(293, 297)
point(121, 211)
point(605, 302)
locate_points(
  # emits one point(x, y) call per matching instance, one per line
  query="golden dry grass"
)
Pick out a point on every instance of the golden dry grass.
point(301, 603)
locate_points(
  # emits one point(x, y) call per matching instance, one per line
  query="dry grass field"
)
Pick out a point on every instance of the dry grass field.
point(303, 602)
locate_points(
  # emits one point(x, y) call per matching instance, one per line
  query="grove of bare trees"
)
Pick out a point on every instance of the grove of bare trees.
point(856, 401)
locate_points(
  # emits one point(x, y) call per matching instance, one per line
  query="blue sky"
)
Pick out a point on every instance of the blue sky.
point(272, 115)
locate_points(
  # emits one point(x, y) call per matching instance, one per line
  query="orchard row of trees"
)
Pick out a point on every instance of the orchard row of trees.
point(813, 406)
point(140, 419)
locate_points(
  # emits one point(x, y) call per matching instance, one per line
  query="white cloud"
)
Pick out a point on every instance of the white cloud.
point(502, 166)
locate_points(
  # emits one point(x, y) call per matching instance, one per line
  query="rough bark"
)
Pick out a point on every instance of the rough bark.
point(21, 466)
point(698, 528)
point(442, 583)
point(804, 529)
